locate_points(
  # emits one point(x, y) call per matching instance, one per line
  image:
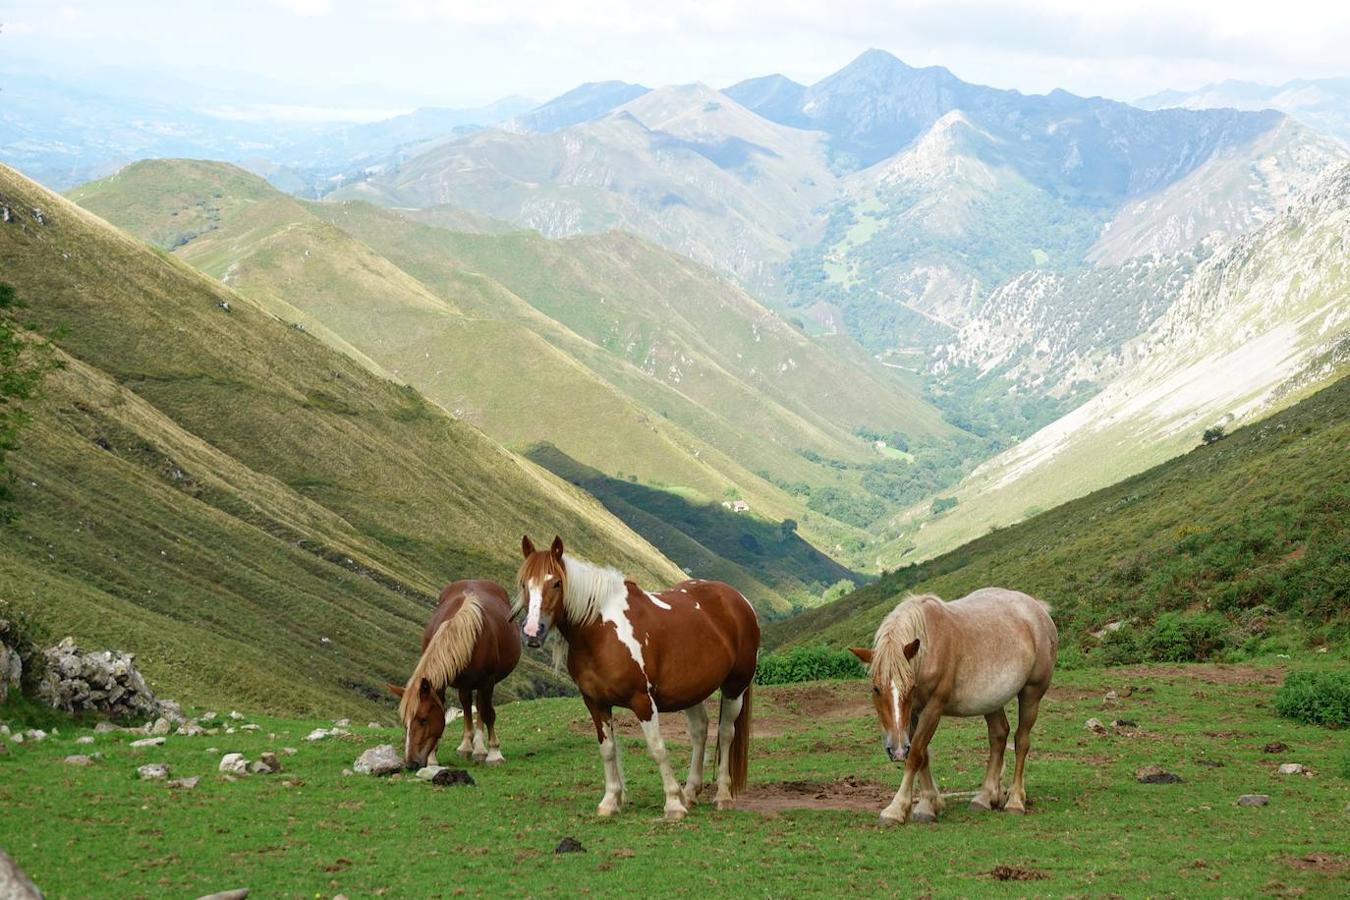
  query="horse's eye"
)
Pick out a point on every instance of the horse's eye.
point(876, 690)
point(557, 582)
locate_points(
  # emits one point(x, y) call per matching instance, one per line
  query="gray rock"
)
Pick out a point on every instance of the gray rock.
point(1253, 800)
point(14, 884)
point(105, 682)
point(266, 764)
point(1293, 769)
point(149, 742)
point(106, 727)
point(289, 751)
point(237, 893)
point(233, 764)
point(35, 734)
point(160, 726)
point(79, 760)
point(169, 709)
point(381, 760)
point(185, 784)
point(1095, 726)
point(11, 668)
point(153, 771)
point(190, 729)
point(85, 739)
point(343, 723)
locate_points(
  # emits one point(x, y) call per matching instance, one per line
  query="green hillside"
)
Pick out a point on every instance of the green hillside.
point(625, 357)
point(261, 518)
point(1240, 546)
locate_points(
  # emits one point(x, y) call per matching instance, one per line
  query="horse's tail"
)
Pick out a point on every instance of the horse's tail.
point(739, 762)
point(447, 654)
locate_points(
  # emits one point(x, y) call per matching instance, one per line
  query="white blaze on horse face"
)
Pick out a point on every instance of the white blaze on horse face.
point(532, 614)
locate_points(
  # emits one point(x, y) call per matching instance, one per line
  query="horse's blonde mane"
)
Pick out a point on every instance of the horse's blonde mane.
point(900, 627)
point(447, 653)
point(587, 587)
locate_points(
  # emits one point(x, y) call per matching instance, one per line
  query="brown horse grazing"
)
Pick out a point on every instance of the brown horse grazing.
point(470, 645)
point(651, 653)
point(965, 658)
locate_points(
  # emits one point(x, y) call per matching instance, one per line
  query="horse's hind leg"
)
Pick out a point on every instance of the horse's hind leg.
point(487, 711)
point(991, 792)
point(726, 731)
point(698, 741)
point(1028, 704)
point(466, 704)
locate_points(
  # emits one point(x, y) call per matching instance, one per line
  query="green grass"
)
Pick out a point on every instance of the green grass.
point(1092, 829)
point(1240, 548)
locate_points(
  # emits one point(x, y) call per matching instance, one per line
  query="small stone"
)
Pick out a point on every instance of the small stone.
point(233, 764)
point(191, 729)
point(1293, 769)
point(79, 760)
point(374, 725)
point(289, 751)
point(85, 739)
point(161, 726)
point(267, 764)
point(1095, 726)
point(236, 715)
point(249, 727)
point(348, 772)
point(35, 734)
point(1253, 800)
point(1111, 697)
point(207, 717)
point(318, 734)
point(16, 737)
point(230, 730)
point(237, 893)
point(212, 749)
point(149, 742)
point(427, 773)
point(381, 760)
point(343, 723)
point(105, 727)
point(569, 845)
point(185, 784)
point(153, 772)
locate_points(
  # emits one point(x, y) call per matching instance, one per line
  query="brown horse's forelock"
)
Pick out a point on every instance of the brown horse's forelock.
point(900, 627)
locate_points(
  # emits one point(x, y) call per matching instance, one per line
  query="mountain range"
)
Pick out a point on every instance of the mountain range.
point(1320, 103)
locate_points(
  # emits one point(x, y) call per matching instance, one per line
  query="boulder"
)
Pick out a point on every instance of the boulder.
point(153, 772)
point(381, 760)
point(1253, 800)
point(14, 884)
point(233, 764)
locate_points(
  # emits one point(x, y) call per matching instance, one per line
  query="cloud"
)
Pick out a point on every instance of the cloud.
point(305, 7)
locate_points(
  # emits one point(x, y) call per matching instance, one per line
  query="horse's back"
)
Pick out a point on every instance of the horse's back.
point(497, 650)
point(1006, 640)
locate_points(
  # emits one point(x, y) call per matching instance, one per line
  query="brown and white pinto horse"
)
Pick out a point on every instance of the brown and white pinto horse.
point(965, 658)
point(470, 645)
point(651, 653)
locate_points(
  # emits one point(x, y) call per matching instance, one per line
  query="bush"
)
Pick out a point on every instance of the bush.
point(808, 664)
point(1316, 698)
point(21, 633)
point(1178, 638)
point(1211, 435)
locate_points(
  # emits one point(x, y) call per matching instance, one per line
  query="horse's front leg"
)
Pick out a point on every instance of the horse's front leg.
point(651, 730)
point(466, 704)
point(903, 806)
point(603, 718)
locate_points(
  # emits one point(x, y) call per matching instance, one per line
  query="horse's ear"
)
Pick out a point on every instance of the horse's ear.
point(557, 548)
point(424, 689)
point(911, 648)
point(526, 546)
point(395, 689)
point(863, 654)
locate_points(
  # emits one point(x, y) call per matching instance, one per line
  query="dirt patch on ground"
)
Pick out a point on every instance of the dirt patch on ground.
point(848, 794)
point(1213, 673)
point(834, 701)
point(1319, 862)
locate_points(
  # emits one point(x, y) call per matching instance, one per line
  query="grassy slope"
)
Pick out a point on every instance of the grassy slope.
point(192, 471)
point(1092, 830)
point(1256, 526)
point(695, 383)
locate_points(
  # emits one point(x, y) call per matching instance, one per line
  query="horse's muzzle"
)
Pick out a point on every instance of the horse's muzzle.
point(536, 640)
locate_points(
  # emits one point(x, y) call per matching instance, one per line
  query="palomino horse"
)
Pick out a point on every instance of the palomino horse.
point(965, 658)
point(651, 653)
point(470, 645)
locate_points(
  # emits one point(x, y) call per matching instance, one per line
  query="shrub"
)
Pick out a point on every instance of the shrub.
point(808, 664)
point(1179, 638)
point(21, 633)
point(1215, 433)
point(1316, 698)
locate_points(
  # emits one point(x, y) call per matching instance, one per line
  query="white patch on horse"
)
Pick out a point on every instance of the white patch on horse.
point(616, 611)
point(657, 600)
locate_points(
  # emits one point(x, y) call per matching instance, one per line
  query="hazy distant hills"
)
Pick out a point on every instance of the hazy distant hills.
point(581, 104)
point(1320, 103)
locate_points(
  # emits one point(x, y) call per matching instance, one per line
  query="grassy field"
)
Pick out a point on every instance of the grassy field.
point(808, 826)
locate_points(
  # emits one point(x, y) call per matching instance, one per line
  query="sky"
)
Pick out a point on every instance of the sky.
point(363, 60)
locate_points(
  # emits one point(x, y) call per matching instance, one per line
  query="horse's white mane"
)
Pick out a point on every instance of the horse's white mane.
point(587, 588)
point(900, 627)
